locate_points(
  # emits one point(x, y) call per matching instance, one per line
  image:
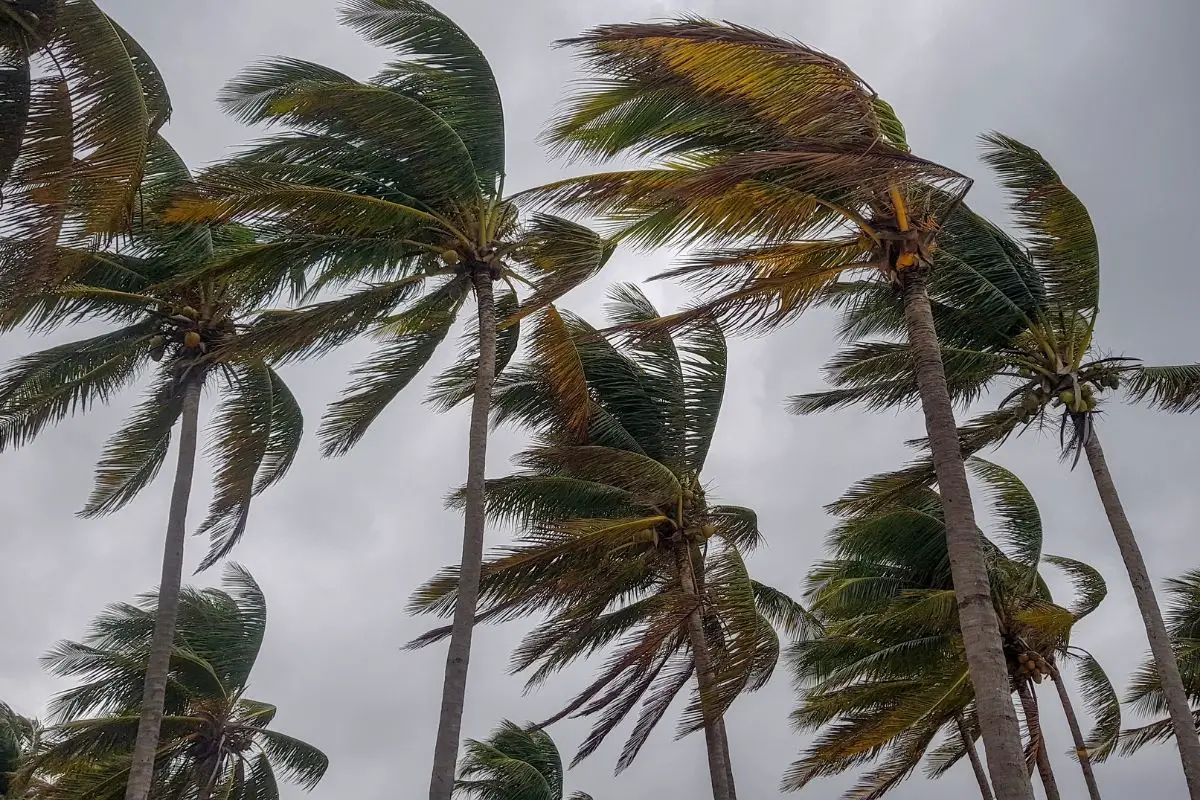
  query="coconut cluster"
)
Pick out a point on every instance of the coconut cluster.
point(1077, 393)
point(187, 331)
point(1032, 665)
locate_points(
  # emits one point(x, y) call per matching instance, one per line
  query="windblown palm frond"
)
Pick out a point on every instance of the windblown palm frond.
point(214, 740)
point(80, 105)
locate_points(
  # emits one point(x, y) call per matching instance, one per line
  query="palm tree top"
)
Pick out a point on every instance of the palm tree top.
point(513, 763)
point(214, 739)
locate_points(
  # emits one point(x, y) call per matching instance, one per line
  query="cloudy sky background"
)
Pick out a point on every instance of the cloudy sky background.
point(1106, 89)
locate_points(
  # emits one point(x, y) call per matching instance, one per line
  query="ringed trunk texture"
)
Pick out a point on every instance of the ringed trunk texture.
point(985, 788)
point(1037, 737)
point(1081, 751)
point(454, 687)
point(1156, 630)
point(977, 616)
point(141, 770)
point(714, 738)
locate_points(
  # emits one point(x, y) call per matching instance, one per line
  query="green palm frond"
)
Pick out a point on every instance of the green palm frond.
point(134, 455)
point(513, 762)
point(559, 255)
point(1058, 226)
point(1169, 388)
point(44, 388)
point(1020, 522)
point(257, 434)
point(1090, 586)
point(296, 761)
point(646, 480)
point(1101, 700)
point(412, 336)
point(441, 66)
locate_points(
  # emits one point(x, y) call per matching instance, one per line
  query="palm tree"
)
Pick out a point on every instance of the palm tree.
point(621, 546)
point(886, 675)
point(1052, 363)
point(1146, 693)
point(397, 184)
point(193, 330)
point(19, 737)
point(80, 104)
point(216, 742)
point(514, 763)
point(764, 141)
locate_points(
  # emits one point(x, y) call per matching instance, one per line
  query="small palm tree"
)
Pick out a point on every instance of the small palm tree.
point(621, 545)
point(797, 173)
point(394, 187)
point(1051, 372)
point(886, 675)
point(514, 763)
point(19, 737)
point(216, 742)
point(80, 104)
point(192, 331)
point(1146, 693)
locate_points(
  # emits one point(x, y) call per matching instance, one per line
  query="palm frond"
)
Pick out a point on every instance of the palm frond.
point(1061, 236)
point(1090, 586)
point(298, 762)
point(134, 455)
point(1169, 388)
point(43, 388)
point(1012, 502)
point(256, 436)
point(560, 255)
point(1103, 704)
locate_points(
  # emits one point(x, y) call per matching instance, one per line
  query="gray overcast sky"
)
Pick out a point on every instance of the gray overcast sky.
point(1105, 88)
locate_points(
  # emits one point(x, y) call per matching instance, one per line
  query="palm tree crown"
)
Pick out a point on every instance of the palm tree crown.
point(613, 511)
point(514, 763)
point(885, 677)
point(215, 742)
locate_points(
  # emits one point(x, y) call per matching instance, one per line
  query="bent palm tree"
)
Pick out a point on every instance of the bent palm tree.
point(621, 546)
point(514, 763)
point(216, 742)
point(80, 104)
point(763, 140)
point(1051, 363)
point(1146, 693)
point(886, 675)
point(194, 331)
point(396, 183)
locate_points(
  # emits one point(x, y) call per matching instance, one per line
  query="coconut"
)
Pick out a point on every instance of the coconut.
point(1037, 677)
point(1031, 402)
point(192, 340)
point(708, 530)
point(1067, 397)
point(190, 312)
point(451, 257)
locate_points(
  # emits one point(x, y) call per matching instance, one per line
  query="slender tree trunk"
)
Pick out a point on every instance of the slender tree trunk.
point(1081, 751)
point(977, 616)
point(454, 687)
point(141, 770)
point(715, 741)
point(723, 735)
point(1033, 720)
point(985, 788)
point(1156, 630)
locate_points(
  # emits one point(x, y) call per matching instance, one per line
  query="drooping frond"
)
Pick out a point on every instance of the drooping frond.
point(1090, 586)
point(1058, 226)
point(1102, 702)
point(134, 455)
point(558, 255)
point(1020, 522)
point(443, 68)
point(256, 437)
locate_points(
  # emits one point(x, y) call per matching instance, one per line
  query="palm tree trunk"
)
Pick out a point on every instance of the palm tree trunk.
point(1081, 751)
point(141, 769)
point(1037, 737)
point(723, 735)
point(714, 728)
point(977, 617)
point(1156, 630)
point(454, 687)
point(985, 788)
